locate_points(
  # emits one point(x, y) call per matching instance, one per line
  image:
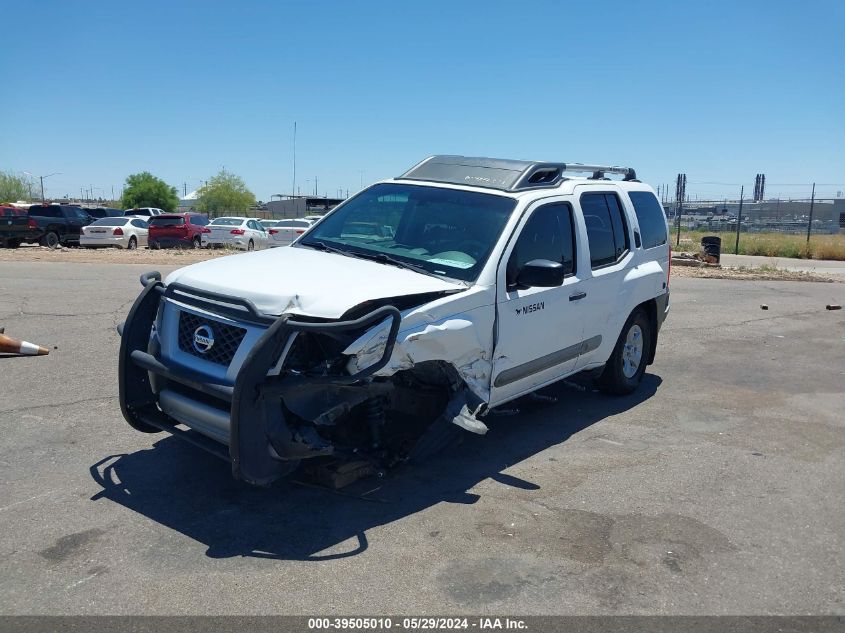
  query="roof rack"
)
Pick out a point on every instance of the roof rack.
point(504, 174)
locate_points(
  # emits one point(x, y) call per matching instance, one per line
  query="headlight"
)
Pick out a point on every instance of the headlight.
point(368, 348)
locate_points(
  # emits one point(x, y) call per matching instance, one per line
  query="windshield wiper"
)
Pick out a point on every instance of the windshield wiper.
point(383, 258)
point(387, 259)
point(322, 246)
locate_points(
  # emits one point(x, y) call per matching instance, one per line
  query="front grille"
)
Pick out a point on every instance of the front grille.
point(227, 338)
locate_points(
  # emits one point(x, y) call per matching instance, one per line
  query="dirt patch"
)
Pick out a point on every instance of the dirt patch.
point(167, 257)
point(749, 274)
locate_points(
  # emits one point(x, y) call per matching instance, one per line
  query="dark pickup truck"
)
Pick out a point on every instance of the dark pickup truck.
point(59, 223)
point(16, 227)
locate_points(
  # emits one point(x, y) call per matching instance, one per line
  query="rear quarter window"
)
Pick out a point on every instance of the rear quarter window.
point(651, 218)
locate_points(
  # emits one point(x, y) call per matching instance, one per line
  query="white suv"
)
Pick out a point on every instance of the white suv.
point(419, 304)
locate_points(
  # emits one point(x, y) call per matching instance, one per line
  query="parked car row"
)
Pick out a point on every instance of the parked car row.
point(55, 224)
point(283, 232)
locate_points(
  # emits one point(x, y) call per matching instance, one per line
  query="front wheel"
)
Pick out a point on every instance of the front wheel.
point(133, 243)
point(250, 246)
point(624, 370)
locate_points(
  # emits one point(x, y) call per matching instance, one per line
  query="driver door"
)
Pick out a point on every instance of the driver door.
point(540, 330)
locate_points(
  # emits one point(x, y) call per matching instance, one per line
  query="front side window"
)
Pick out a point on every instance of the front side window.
point(607, 230)
point(444, 232)
point(651, 218)
point(548, 234)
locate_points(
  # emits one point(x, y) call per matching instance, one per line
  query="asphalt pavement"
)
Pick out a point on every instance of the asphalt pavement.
point(717, 489)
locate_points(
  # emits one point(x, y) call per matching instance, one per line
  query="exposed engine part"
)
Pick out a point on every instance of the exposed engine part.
point(375, 420)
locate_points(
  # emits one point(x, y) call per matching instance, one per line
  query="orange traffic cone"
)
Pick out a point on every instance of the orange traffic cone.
point(8, 345)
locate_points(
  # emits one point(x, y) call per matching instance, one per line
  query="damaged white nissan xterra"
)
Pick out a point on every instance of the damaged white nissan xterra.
point(418, 304)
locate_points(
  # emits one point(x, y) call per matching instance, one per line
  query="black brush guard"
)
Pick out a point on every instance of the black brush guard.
point(261, 444)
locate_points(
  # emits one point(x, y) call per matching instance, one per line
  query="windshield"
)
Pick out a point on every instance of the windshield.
point(227, 221)
point(442, 231)
point(111, 222)
point(163, 220)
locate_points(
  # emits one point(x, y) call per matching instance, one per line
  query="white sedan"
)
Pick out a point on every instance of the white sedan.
point(243, 233)
point(283, 232)
point(125, 232)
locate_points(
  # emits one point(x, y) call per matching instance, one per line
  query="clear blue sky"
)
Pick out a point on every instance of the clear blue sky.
point(720, 90)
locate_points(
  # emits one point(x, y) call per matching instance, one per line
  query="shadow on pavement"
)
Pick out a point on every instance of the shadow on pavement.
point(187, 490)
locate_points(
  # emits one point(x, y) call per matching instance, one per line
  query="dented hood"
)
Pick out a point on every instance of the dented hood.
point(304, 281)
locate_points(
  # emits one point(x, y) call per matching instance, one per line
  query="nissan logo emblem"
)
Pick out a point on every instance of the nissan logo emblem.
point(203, 339)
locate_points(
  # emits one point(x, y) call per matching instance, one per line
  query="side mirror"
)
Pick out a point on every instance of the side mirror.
point(541, 273)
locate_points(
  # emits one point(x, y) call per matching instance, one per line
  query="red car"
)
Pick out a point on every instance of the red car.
point(177, 230)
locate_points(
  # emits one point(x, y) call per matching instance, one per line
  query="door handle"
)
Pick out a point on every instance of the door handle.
point(576, 296)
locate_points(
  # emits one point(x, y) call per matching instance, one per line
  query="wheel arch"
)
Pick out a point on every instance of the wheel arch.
point(650, 308)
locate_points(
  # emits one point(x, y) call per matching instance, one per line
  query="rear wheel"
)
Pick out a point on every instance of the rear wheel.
point(195, 243)
point(50, 240)
point(624, 370)
point(250, 246)
point(133, 243)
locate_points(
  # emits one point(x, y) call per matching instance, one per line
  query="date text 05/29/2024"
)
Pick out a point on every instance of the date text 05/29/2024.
point(416, 624)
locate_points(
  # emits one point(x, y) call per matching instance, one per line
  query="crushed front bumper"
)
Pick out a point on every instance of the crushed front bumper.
point(261, 444)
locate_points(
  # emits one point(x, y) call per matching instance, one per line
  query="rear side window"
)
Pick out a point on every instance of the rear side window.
point(548, 234)
point(139, 223)
point(607, 230)
point(651, 218)
point(45, 212)
point(198, 220)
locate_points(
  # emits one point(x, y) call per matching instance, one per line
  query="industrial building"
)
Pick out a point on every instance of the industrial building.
point(299, 206)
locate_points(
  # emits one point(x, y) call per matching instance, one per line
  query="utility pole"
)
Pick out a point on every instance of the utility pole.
point(315, 186)
point(293, 189)
point(739, 219)
point(680, 194)
point(41, 178)
point(812, 203)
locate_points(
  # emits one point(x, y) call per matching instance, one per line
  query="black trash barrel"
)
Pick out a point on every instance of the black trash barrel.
point(712, 246)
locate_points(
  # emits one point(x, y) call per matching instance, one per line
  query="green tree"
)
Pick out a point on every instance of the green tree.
point(145, 190)
point(14, 188)
point(225, 193)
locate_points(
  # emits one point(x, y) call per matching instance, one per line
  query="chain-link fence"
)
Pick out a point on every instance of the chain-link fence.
point(791, 227)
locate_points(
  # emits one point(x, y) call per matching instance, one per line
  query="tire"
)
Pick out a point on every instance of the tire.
point(250, 246)
point(133, 243)
point(625, 368)
point(50, 240)
point(154, 246)
point(196, 243)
